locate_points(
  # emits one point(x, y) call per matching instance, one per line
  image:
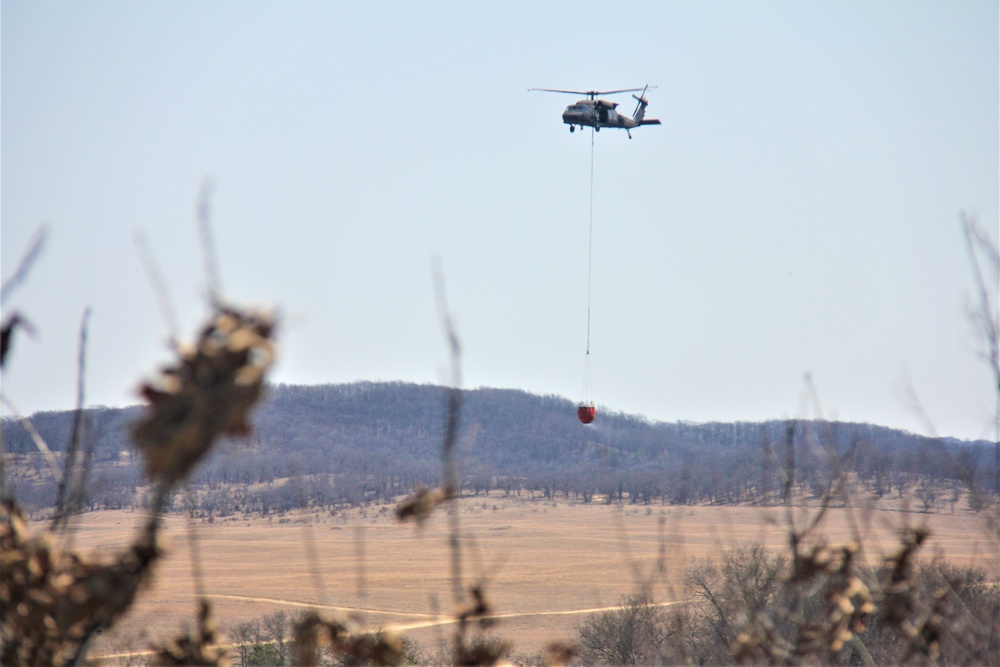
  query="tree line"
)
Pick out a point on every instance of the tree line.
point(342, 445)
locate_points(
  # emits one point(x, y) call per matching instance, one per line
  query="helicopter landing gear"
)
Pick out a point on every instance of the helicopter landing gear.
point(572, 129)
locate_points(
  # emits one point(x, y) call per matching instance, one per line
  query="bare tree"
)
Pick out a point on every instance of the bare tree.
point(244, 636)
point(276, 627)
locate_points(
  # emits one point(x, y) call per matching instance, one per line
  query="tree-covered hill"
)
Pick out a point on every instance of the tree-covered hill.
point(350, 443)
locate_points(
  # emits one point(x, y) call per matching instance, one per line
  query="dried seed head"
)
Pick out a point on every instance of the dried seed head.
point(421, 504)
point(346, 638)
point(207, 394)
point(558, 654)
point(195, 648)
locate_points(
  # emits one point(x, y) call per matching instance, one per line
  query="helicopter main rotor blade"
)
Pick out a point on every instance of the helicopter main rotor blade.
point(553, 90)
point(590, 93)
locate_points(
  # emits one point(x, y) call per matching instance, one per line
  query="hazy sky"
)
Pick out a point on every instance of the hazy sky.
point(797, 212)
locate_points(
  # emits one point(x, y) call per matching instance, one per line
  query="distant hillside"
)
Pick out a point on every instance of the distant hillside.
point(346, 444)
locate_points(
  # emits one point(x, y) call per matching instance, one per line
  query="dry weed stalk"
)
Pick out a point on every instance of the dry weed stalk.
point(420, 505)
point(922, 626)
point(899, 589)
point(73, 469)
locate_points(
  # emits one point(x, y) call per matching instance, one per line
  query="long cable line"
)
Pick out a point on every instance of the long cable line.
point(590, 236)
point(586, 411)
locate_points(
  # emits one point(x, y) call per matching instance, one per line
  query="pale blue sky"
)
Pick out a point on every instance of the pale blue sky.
point(797, 212)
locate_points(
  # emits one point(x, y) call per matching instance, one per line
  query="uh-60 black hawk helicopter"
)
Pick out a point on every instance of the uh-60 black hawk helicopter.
point(598, 113)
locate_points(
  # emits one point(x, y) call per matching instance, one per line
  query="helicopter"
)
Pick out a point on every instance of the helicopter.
point(598, 113)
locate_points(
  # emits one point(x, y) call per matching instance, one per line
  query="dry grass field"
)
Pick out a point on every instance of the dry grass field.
point(543, 564)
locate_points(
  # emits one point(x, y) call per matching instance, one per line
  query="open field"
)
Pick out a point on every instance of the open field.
point(544, 564)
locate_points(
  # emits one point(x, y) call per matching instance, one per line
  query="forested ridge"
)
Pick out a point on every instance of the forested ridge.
point(347, 444)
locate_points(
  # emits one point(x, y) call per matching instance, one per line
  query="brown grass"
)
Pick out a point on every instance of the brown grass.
point(544, 565)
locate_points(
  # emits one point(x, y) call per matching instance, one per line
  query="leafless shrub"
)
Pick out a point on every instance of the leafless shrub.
point(752, 609)
point(483, 650)
point(638, 632)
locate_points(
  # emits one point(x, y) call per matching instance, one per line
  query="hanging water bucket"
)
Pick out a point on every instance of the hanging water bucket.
point(586, 413)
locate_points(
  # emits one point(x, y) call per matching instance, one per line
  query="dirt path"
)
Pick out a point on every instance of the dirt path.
point(283, 602)
point(430, 620)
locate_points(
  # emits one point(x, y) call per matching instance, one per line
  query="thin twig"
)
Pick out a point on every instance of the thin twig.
point(159, 287)
point(71, 469)
point(207, 241)
point(195, 551)
point(160, 497)
point(917, 406)
point(36, 438)
point(986, 315)
point(361, 556)
point(454, 409)
point(29, 257)
point(79, 417)
point(309, 542)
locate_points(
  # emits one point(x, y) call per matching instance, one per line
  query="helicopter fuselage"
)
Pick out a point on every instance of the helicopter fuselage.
point(596, 114)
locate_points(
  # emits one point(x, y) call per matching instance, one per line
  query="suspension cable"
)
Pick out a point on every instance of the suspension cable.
point(590, 264)
point(590, 236)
